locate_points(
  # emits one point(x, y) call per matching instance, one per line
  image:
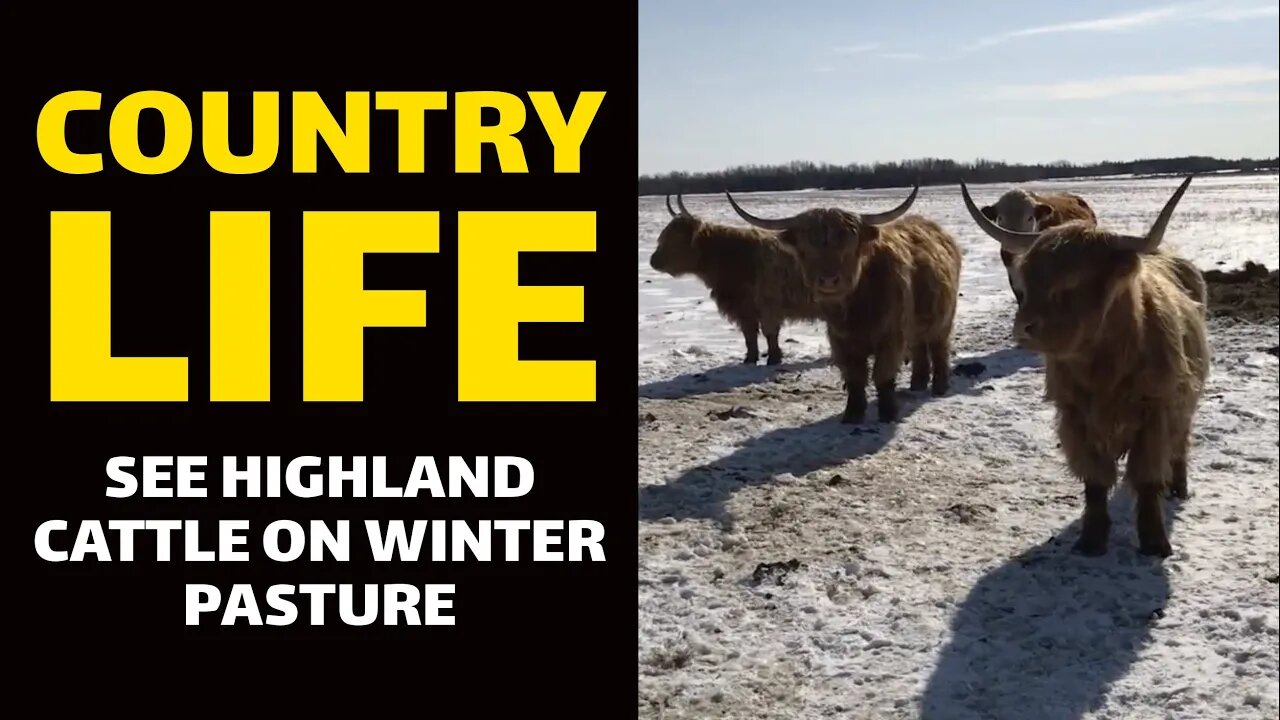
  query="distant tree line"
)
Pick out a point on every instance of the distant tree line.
point(800, 175)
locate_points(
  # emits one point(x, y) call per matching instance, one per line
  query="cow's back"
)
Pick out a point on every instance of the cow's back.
point(935, 278)
point(1188, 276)
point(1064, 207)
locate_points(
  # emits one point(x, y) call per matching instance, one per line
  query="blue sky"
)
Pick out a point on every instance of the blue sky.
point(730, 82)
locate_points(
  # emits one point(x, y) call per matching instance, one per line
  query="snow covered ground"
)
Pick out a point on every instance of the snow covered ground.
point(792, 567)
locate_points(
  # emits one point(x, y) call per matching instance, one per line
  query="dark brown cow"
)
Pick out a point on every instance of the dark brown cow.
point(887, 287)
point(754, 280)
point(1121, 326)
point(1025, 211)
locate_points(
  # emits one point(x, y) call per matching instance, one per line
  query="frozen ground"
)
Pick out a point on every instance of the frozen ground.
point(791, 567)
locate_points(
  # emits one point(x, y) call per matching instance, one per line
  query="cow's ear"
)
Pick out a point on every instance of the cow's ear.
point(869, 233)
point(1042, 211)
point(990, 212)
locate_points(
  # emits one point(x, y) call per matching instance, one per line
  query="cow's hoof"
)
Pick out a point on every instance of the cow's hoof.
point(1090, 546)
point(1156, 547)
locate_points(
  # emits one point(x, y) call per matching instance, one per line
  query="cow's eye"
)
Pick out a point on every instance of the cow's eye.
point(1064, 299)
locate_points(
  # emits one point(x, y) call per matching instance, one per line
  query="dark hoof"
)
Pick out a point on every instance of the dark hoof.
point(1090, 546)
point(855, 408)
point(751, 360)
point(887, 400)
point(1179, 493)
point(918, 385)
point(1157, 547)
point(939, 390)
point(774, 359)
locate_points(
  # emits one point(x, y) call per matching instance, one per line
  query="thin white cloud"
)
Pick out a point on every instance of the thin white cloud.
point(1187, 81)
point(1106, 24)
point(1133, 20)
point(900, 56)
point(1233, 14)
point(854, 49)
point(824, 69)
point(1216, 97)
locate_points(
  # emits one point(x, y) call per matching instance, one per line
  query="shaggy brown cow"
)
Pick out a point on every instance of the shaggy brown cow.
point(754, 280)
point(1121, 326)
point(887, 286)
point(1025, 211)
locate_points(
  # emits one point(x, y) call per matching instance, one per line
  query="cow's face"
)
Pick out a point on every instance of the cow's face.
point(1070, 276)
point(676, 253)
point(1018, 211)
point(828, 242)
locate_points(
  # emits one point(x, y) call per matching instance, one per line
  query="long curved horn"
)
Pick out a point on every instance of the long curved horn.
point(890, 215)
point(1151, 240)
point(673, 212)
point(680, 204)
point(767, 224)
point(1010, 240)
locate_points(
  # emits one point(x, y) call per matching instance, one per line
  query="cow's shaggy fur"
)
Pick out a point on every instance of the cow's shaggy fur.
point(1120, 323)
point(887, 292)
point(754, 280)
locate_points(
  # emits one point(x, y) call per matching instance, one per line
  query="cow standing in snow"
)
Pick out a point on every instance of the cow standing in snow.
point(755, 282)
point(887, 285)
point(1121, 326)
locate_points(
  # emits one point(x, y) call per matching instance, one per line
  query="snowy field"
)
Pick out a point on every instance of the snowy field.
point(793, 567)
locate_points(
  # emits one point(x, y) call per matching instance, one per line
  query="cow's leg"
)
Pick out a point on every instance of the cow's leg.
point(940, 355)
point(751, 333)
point(772, 326)
point(920, 366)
point(1148, 471)
point(853, 370)
point(888, 361)
point(1098, 472)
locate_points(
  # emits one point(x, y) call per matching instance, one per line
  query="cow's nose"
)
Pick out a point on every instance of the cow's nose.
point(1026, 328)
point(828, 283)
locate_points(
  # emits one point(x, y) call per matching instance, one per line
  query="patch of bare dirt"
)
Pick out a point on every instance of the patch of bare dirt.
point(1250, 293)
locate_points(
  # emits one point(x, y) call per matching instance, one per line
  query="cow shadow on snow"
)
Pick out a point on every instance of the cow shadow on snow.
point(722, 379)
point(1045, 634)
point(702, 491)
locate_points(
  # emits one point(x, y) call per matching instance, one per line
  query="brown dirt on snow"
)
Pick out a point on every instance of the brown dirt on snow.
point(1250, 293)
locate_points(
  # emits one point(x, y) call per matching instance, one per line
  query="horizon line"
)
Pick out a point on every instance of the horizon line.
point(1006, 163)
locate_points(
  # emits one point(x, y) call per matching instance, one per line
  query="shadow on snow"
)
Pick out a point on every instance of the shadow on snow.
point(1046, 633)
point(701, 492)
